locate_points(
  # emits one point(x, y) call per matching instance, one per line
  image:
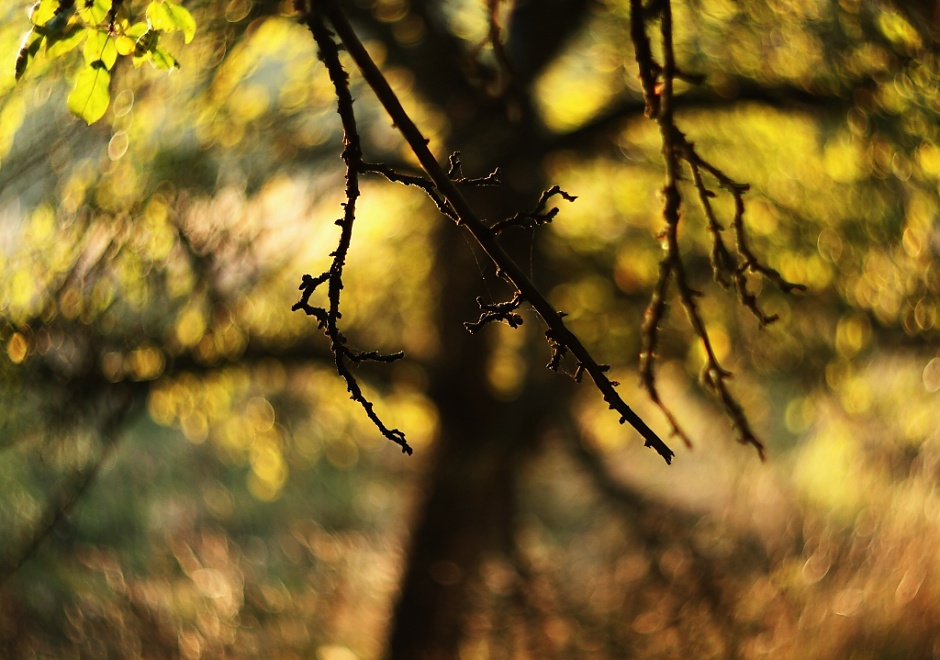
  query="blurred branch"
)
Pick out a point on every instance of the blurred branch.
point(467, 218)
point(660, 526)
point(437, 59)
point(497, 77)
point(69, 490)
point(537, 31)
point(658, 88)
point(740, 91)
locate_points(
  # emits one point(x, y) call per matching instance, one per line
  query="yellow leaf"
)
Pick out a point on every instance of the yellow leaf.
point(91, 94)
point(169, 16)
point(100, 47)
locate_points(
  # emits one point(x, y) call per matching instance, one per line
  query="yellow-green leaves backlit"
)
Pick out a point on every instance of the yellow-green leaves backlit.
point(91, 94)
point(61, 43)
point(147, 47)
point(108, 32)
point(95, 13)
point(99, 47)
point(50, 14)
point(169, 16)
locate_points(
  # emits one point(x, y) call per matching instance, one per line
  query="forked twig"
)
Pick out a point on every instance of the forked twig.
point(328, 319)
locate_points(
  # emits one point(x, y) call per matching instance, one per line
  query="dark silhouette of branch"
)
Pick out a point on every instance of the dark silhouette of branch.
point(495, 312)
point(537, 217)
point(328, 319)
point(455, 173)
point(468, 219)
point(725, 266)
point(659, 107)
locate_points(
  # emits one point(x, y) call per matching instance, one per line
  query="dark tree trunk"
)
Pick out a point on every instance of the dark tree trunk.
point(484, 442)
point(470, 492)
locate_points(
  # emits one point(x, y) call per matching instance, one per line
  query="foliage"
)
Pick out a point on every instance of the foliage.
point(105, 32)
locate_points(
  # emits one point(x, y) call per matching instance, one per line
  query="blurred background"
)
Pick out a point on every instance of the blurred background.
point(182, 473)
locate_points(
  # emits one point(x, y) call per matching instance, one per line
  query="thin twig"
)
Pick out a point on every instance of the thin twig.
point(496, 312)
point(328, 320)
point(427, 186)
point(537, 217)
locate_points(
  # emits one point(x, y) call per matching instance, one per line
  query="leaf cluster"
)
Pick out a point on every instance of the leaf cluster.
point(105, 30)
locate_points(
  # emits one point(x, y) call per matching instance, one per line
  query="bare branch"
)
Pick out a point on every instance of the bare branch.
point(657, 80)
point(485, 236)
point(328, 319)
point(67, 493)
point(455, 172)
point(412, 180)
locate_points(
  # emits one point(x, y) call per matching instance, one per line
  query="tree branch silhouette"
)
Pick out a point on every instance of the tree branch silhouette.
point(328, 319)
point(561, 339)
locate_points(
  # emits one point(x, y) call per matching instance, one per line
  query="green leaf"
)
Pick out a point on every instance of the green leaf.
point(92, 92)
point(42, 12)
point(146, 49)
point(169, 16)
point(58, 23)
point(28, 49)
point(137, 30)
point(147, 42)
point(100, 47)
point(59, 44)
point(124, 44)
point(161, 59)
point(96, 14)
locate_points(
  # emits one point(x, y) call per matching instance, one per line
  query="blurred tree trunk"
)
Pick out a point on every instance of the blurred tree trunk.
point(469, 501)
point(484, 442)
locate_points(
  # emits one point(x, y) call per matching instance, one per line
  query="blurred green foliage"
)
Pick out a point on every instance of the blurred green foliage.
point(244, 507)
